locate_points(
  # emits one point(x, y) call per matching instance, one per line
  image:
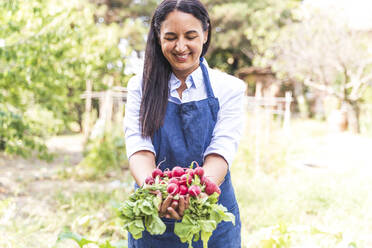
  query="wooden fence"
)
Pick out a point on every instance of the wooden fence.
point(111, 105)
point(264, 112)
point(113, 100)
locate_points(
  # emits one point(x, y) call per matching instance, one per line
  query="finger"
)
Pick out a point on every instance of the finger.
point(182, 205)
point(159, 196)
point(173, 214)
point(175, 204)
point(187, 201)
point(166, 203)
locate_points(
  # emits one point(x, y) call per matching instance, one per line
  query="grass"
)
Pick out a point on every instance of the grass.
point(286, 204)
point(283, 203)
point(86, 208)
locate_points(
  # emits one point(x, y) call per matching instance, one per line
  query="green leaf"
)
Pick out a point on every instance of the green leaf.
point(207, 225)
point(136, 228)
point(146, 208)
point(229, 217)
point(205, 238)
point(186, 231)
point(155, 225)
point(81, 241)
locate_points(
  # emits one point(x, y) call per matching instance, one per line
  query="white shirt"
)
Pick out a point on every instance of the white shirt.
point(230, 120)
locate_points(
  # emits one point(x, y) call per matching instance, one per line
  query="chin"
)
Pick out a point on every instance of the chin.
point(185, 66)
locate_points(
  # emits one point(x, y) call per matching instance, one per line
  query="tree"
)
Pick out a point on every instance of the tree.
point(245, 30)
point(326, 55)
point(133, 14)
point(48, 49)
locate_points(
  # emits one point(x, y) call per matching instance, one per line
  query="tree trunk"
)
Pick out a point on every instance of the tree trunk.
point(354, 116)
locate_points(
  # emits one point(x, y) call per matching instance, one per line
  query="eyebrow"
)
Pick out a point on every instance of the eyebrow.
point(188, 32)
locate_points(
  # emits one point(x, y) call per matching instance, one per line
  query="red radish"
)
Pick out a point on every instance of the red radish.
point(177, 171)
point(157, 172)
point(202, 180)
point(149, 180)
point(174, 180)
point(211, 187)
point(194, 190)
point(186, 179)
point(183, 190)
point(190, 172)
point(173, 189)
point(168, 173)
point(199, 171)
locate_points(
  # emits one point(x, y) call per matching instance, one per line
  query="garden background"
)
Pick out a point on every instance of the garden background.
point(303, 170)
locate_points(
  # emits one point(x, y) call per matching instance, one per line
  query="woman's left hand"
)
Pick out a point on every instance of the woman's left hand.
point(176, 209)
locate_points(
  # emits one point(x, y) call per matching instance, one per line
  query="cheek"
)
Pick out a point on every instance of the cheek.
point(166, 47)
point(197, 47)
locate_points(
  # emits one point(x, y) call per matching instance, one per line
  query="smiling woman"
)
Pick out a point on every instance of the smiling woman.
point(181, 111)
point(182, 38)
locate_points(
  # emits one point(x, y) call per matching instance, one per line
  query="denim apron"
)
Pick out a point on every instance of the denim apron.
point(183, 138)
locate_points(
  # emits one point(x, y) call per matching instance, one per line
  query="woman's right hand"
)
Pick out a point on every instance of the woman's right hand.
point(173, 209)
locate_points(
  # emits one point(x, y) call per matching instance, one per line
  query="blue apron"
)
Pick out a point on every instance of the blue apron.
point(183, 138)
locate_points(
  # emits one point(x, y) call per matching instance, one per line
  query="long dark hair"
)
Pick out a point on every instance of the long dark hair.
point(157, 70)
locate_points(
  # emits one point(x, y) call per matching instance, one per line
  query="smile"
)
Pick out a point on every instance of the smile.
point(181, 57)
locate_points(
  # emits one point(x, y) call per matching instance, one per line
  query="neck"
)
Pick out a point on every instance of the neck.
point(182, 75)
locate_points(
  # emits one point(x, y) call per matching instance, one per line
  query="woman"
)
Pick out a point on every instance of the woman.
point(181, 111)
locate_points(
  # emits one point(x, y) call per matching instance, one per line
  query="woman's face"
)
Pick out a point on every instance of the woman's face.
point(181, 39)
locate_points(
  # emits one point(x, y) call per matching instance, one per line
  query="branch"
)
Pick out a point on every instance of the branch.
point(362, 67)
point(367, 79)
point(359, 94)
point(247, 53)
point(322, 87)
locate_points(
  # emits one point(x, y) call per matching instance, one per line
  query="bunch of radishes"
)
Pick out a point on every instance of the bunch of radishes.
point(200, 219)
point(183, 181)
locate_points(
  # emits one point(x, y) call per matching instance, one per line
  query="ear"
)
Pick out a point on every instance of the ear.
point(205, 33)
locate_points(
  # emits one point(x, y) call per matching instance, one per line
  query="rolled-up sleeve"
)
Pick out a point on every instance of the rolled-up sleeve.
point(230, 123)
point(133, 139)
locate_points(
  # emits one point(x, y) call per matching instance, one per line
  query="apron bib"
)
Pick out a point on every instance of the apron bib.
point(183, 138)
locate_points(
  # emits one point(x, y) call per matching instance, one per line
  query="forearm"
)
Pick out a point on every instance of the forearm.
point(141, 165)
point(215, 168)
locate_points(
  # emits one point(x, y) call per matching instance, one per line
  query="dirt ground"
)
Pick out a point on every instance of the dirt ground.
point(30, 182)
point(22, 178)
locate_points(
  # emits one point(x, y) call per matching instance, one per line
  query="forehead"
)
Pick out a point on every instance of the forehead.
point(180, 22)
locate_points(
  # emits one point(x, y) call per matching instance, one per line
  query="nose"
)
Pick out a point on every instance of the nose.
point(180, 45)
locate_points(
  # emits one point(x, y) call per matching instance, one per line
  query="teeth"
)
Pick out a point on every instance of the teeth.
point(182, 57)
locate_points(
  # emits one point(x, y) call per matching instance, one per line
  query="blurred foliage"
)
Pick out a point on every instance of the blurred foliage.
point(104, 154)
point(328, 56)
point(133, 14)
point(48, 49)
point(241, 30)
point(244, 30)
point(83, 242)
point(93, 213)
point(21, 135)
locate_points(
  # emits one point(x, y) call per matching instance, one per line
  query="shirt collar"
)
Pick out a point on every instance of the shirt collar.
point(195, 79)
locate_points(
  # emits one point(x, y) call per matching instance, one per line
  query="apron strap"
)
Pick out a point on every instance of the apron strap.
point(206, 78)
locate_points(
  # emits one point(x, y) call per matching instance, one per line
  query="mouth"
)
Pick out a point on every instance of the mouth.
point(181, 57)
